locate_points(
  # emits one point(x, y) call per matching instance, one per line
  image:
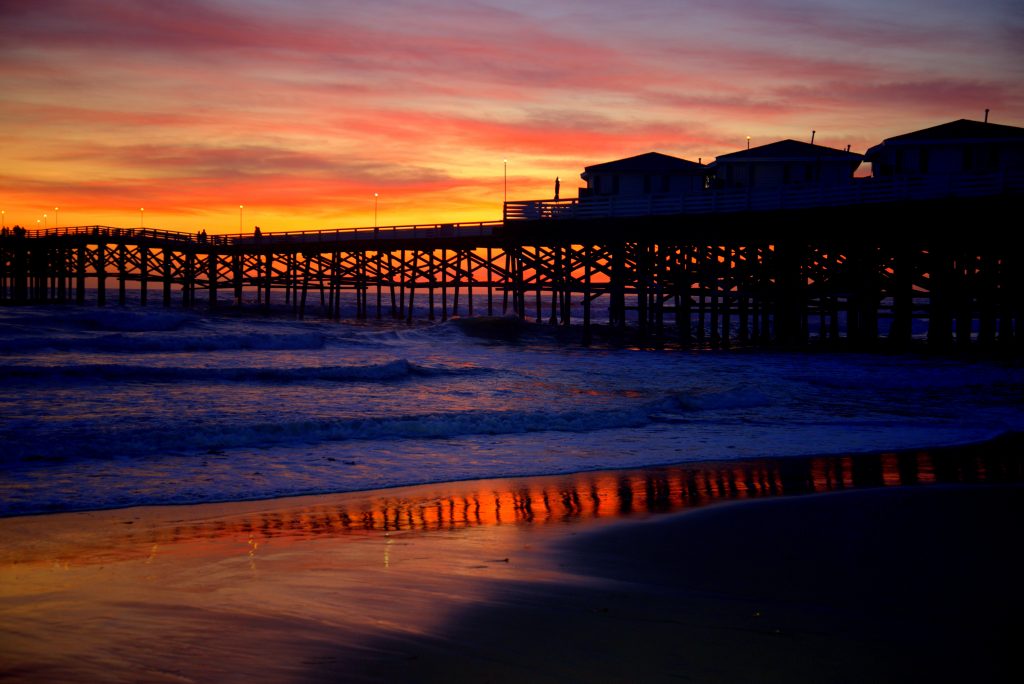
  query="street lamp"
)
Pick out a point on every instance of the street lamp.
point(44, 221)
point(506, 181)
point(241, 208)
point(142, 215)
point(375, 196)
point(748, 142)
point(56, 216)
point(4, 215)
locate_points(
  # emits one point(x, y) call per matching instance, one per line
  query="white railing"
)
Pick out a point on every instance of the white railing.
point(858, 191)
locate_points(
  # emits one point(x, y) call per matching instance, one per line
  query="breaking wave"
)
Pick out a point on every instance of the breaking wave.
point(134, 441)
point(381, 372)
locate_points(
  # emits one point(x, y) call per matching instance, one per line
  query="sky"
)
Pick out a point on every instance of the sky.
point(302, 110)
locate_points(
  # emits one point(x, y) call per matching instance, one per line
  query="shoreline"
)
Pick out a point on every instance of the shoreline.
point(480, 578)
point(1005, 439)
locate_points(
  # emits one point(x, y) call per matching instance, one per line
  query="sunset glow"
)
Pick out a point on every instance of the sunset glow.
point(324, 114)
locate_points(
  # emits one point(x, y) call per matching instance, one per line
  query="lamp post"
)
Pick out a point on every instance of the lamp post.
point(375, 197)
point(506, 182)
point(56, 217)
point(142, 217)
point(44, 221)
point(4, 215)
point(241, 209)
point(748, 142)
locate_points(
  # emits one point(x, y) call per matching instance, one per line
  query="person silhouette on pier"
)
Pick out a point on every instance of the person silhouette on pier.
point(558, 184)
point(256, 233)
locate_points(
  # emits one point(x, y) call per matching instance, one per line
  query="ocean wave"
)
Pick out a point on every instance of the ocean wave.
point(387, 371)
point(905, 374)
point(65, 318)
point(129, 342)
point(203, 436)
point(115, 320)
point(742, 397)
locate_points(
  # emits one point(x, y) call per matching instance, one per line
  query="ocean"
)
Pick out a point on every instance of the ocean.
point(125, 406)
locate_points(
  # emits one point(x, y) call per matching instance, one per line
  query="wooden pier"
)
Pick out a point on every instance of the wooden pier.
point(858, 276)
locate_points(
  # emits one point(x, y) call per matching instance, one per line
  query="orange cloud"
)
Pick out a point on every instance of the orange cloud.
point(305, 111)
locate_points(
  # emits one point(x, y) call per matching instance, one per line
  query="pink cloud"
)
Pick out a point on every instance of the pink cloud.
point(207, 99)
point(939, 95)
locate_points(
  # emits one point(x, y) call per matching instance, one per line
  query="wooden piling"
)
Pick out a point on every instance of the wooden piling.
point(587, 274)
point(101, 273)
point(143, 275)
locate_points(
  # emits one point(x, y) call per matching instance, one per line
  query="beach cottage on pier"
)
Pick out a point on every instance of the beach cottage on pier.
point(783, 164)
point(962, 147)
point(644, 175)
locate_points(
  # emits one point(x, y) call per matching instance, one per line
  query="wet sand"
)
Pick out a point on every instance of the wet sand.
point(864, 575)
point(877, 586)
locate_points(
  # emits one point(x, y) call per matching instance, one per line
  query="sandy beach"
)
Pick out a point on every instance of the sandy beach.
point(892, 567)
point(881, 586)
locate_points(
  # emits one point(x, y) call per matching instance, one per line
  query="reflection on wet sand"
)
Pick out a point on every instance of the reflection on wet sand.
point(352, 575)
point(576, 497)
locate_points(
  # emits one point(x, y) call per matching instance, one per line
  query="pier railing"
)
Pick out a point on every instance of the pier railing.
point(109, 231)
point(406, 232)
point(858, 191)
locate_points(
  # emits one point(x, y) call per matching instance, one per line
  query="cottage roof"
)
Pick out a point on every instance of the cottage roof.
point(959, 131)
point(652, 162)
point(789, 150)
point(963, 129)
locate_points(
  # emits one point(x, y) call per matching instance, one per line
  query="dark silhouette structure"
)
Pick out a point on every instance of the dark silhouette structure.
point(646, 174)
point(798, 252)
point(955, 149)
point(857, 275)
point(786, 163)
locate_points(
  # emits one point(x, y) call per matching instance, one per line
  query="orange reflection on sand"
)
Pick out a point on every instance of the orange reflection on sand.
point(564, 499)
